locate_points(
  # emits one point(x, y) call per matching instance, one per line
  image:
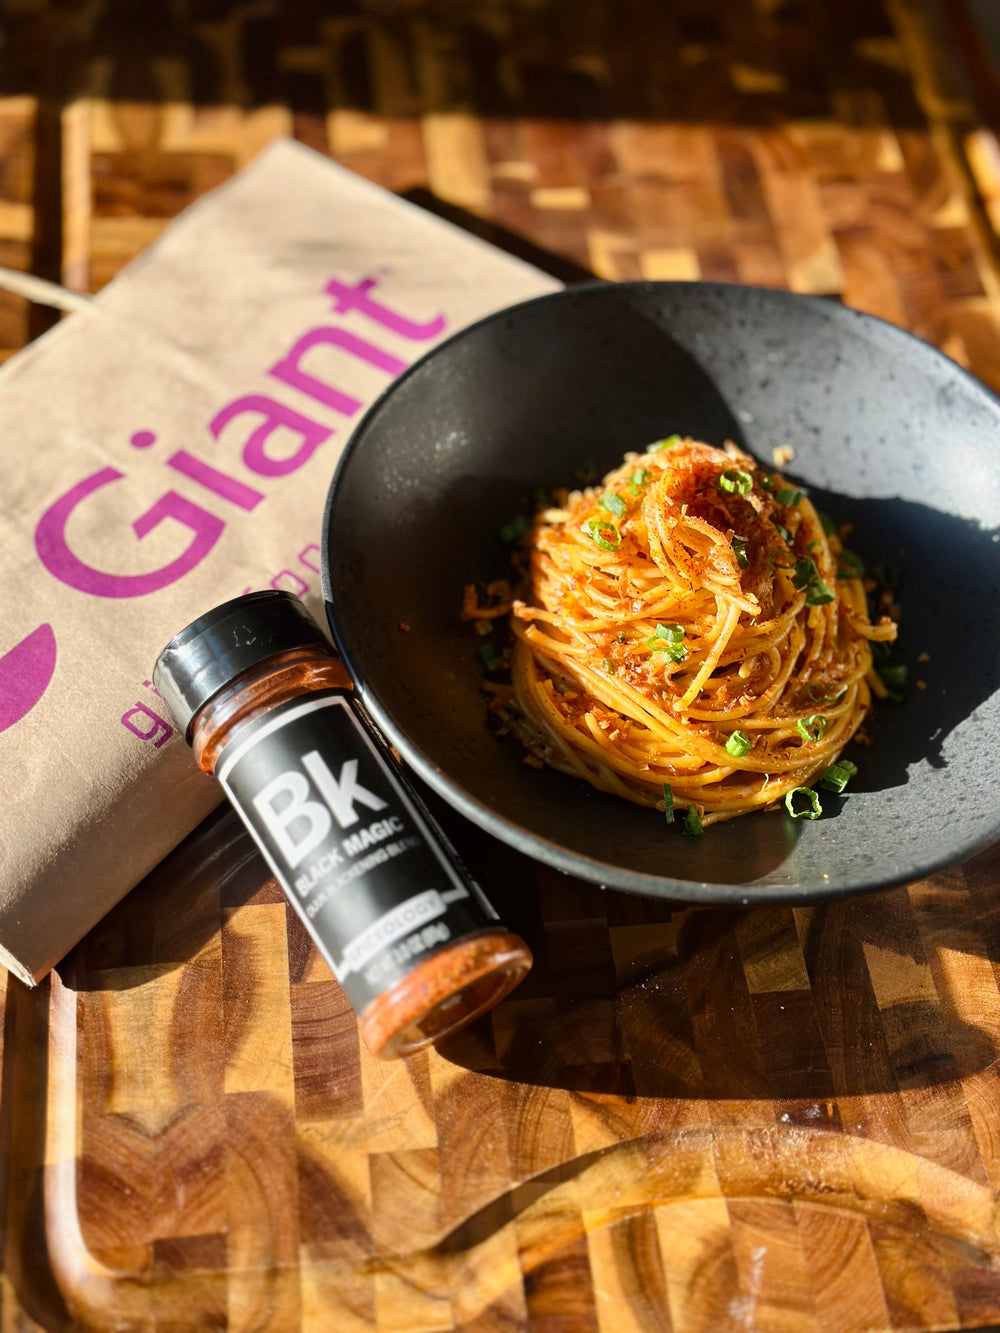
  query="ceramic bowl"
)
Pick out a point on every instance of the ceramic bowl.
point(888, 435)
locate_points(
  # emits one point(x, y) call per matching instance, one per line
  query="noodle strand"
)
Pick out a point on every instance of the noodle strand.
point(692, 596)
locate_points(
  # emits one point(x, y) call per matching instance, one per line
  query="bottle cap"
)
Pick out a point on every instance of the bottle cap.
point(206, 655)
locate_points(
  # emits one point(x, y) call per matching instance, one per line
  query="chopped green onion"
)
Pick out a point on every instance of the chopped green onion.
point(517, 527)
point(675, 651)
point(812, 546)
point(740, 551)
point(613, 503)
point(489, 657)
point(805, 571)
point(668, 639)
point(738, 744)
point(735, 482)
point(807, 576)
point(766, 481)
point(784, 534)
point(598, 531)
point(838, 775)
point(818, 594)
point(638, 479)
point(692, 822)
point(895, 678)
point(814, 810)
point(609, 666)
point(787, 495)
point(671, 442)
point(826, 523)
point(851, 566)
point(668, 802)
point(672, 633)
point(812, 728)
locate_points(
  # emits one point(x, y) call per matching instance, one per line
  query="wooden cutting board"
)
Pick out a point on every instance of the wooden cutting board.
point(685, 1119)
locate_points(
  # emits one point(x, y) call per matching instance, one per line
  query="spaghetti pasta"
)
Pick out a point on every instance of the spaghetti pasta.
point(689, 635)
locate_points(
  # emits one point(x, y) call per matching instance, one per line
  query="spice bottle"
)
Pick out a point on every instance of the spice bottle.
point(266, 705)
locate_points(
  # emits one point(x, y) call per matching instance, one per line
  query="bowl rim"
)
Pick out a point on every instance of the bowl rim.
point(533, 844)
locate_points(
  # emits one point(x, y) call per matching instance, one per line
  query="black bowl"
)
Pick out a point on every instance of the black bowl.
point(888, 435)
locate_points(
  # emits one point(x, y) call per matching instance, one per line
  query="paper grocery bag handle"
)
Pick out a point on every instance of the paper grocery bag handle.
point(43, 292)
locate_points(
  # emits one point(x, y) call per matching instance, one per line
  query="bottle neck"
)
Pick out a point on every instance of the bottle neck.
point(259, 689)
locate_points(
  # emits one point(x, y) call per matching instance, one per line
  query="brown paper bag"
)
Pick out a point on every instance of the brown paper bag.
point(167, 449)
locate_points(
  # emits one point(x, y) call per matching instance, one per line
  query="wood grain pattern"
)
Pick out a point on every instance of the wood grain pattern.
point(685, 1119)
point(756, 1119)
point(17, 124)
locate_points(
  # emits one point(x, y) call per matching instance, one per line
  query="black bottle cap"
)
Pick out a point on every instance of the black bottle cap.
point(206, 655)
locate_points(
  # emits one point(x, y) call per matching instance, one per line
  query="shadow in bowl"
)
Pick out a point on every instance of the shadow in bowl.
point(948, 574)
point(534, 395)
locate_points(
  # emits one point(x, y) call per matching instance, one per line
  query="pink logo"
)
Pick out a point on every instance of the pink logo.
point(280, 441)
point(25, 673)
point(58, 559)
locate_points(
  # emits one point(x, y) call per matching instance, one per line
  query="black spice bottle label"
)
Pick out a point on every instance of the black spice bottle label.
point(348, 845)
